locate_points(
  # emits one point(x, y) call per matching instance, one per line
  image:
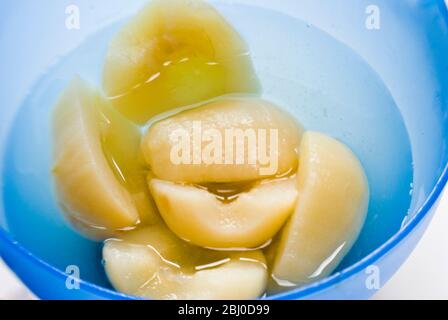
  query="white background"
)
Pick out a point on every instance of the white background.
point(423, 276)
point(425, 273)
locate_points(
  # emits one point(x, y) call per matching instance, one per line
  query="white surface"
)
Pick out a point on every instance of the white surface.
point(10, 287)
point(423, 276)
point(425, 273)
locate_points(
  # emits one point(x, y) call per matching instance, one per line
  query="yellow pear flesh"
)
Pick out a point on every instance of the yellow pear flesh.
point(228, 140)
point(96, 175)
point(249, 221)
point(154, 263)
point(330, 212)
point(172, 54)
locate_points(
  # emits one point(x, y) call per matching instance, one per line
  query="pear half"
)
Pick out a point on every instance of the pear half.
point(172, 54)
point(153, 263)
point(330, 212)
point(250, 221)
point(96, 175)
point(227, 140)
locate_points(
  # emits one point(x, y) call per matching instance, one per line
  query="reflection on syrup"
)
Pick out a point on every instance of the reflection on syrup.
point(227, 192)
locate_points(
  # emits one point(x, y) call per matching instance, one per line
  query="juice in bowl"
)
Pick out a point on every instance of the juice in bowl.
point(179, 154)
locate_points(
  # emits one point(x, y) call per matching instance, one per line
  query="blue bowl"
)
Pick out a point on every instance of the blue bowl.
point(406, 46)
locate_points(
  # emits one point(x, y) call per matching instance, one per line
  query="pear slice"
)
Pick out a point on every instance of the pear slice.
point(92, 194)
point(330, 212)
point(227, 140)
point(153, 263)
point(121, 141)
point(172, 54)
point(249, 221)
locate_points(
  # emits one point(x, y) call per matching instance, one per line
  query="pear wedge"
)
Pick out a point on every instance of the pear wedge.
point(213, 143)
point(90, 171)
point(172, 54)
point(121, 141)
point(250, 221)
point(331, 209)
point(153, 263)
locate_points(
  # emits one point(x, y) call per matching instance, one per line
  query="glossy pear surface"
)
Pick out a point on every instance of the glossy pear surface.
point(172, 54)
point(248, 221)
point(217, 141)
point(154, 263)
point(99, 177)
point(330, 212)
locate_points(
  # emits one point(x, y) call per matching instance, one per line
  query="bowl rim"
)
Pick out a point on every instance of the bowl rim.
point(297, 293)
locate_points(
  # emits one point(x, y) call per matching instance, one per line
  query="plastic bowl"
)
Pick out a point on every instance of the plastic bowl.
point(408, 53)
